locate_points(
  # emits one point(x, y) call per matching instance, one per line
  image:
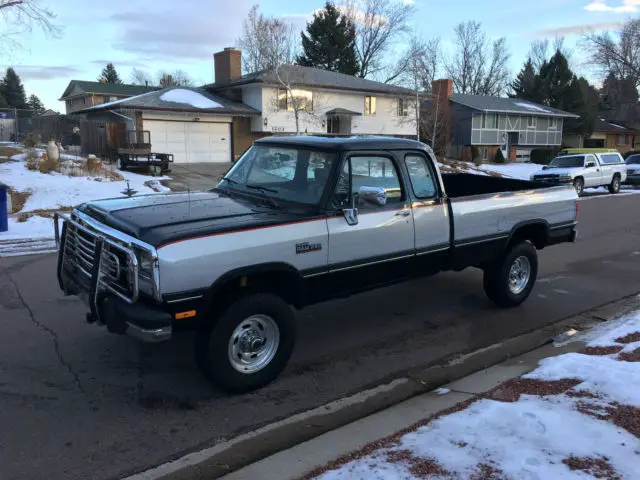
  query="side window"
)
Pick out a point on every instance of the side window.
point(590, 159)
point(374, 179)
point(422, 181)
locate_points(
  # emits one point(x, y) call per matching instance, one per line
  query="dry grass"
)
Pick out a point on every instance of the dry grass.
point(602, 350)
point(511, 390)
point(48, 164)
point(32, 161)
point(633, 356)
point(8, 151)
point(596, 467)
point(630, 338)
point(23, 217)
point(18, 199)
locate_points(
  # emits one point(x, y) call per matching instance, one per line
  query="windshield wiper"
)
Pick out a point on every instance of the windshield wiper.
point(263, 191)
point(231, 181)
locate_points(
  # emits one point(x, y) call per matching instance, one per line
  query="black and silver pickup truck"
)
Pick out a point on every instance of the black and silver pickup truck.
point(296, 221)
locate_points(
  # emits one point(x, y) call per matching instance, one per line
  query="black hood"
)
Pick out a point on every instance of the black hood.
point(164, 218)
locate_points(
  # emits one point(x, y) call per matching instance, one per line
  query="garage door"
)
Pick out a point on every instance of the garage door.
point(523, 155)
point(191, 142)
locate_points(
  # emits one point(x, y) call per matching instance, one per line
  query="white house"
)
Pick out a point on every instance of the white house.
point(218, 122)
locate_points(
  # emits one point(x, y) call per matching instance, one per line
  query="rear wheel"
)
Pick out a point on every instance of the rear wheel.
point(249, 345)
point(508, 281)
point(614, 187)
point(156, 170)
point(578, 184)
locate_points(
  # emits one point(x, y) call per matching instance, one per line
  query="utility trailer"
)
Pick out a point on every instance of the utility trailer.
point(134, 150)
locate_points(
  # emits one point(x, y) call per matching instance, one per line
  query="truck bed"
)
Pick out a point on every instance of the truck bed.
point(467, 184)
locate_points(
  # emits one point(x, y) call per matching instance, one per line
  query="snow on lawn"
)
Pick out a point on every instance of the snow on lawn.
point(522, 171)
point(53, 190)
point(34, 228)
point(189, 97)
point(574, 417)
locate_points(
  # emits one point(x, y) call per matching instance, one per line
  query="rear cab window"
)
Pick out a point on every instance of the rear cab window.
point(610, 158)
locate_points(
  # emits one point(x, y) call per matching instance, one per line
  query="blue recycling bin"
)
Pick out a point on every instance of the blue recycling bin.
point(4, 212)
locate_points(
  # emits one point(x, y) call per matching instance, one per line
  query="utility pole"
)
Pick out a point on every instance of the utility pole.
point(15, 122)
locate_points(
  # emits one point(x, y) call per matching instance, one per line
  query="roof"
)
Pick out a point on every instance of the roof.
point(179, 99)
point(344, 143)
point(486, 103)
point(106, 88)
point(312, 77)
point(600, 125)
point(625, 114)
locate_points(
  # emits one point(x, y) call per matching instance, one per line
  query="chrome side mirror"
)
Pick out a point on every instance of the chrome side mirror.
point(351, 214)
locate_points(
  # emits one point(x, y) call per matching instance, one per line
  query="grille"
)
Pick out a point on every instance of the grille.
point(117, 272)
point(546, 178)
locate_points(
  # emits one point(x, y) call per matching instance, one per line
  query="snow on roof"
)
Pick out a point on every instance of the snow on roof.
point(189, 97)
point(116, 102)
point(531, 106)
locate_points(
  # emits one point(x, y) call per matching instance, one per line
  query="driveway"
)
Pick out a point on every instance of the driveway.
point(80, 403)
point(195, 176)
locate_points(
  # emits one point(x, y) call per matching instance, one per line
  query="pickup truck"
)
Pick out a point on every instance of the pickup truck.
point(586, 170)
point(296, 221)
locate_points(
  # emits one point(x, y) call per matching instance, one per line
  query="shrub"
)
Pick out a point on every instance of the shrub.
point(543, 156)
point(499, 157)
point(48, 165)
point(32, 140)
point(32, 161)
point(475, 155)
point(94, 165)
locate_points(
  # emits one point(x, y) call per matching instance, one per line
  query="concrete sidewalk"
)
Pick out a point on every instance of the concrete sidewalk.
point(195, 176)
point(305, 457)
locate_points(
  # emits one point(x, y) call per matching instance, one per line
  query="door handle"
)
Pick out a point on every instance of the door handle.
point(403, 213)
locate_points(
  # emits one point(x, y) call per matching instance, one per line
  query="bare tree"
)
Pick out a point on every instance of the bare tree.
point(266, 42)
point(290, 97)
point(140, 77)
point(478, 66)
point(617, 52)
point(177, 78)
point(539, 51)
point(379, 24)
point(20, 17)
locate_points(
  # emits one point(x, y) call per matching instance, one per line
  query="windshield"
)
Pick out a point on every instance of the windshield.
point(633, 159)
point(281, 173)
point(571, 161)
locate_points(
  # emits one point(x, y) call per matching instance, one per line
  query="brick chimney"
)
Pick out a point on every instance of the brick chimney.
point(442, 88)
point(227, 65)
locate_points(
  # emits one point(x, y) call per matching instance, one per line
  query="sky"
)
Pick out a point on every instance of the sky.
point(155, 35)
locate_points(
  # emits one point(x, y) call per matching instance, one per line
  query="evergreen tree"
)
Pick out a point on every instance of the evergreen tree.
point(3, 102)
point(329, 42)
point(12, 90)
point(556, 78)
point(616, 92)
point(527, 84)
point(109, 75)
point(35, 105)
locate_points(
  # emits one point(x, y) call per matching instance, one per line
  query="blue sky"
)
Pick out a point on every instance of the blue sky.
point(169, 34)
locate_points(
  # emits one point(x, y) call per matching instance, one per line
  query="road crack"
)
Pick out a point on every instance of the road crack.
point(54, 337)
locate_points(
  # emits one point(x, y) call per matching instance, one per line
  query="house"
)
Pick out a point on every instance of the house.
point(607, 135)
point(224, 118)
point(81, 94)
point(489, 123)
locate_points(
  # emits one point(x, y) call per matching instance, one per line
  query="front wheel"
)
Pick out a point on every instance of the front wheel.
point(249, 345)
point(614, 187)
point(508, 281)
point(578, 184)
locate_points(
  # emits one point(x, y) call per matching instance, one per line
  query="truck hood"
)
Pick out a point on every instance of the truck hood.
point(165, 218)
point(558, 171)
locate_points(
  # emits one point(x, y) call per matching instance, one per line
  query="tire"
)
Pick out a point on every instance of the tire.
point(614, 186)
point(578, 184)
point(156, 171)
point(120, 165)
point(508, 288)
point(249, 319)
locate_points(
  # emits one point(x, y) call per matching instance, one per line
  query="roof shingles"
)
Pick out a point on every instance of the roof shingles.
point(486, 103)
point(106, 88)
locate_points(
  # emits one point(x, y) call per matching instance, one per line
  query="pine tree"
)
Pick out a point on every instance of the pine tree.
point(527, 84)
point(109, 75)
point(329, 42)
point(616, 92)
point(556, 78)
point(3, 102)
point(12, 90)
point(35, 105)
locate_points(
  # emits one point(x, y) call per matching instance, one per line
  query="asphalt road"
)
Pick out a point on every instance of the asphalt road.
point(78, 403)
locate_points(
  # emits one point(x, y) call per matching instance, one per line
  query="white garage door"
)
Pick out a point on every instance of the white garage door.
point(523, 155)
point(191, 142)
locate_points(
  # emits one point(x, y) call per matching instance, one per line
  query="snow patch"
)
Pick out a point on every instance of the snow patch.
point(195, 99)
point(530, 106)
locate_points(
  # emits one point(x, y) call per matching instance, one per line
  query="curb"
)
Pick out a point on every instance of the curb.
point(251, 447)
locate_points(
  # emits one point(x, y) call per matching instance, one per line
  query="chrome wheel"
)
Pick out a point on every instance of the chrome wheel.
point(253, 344)
point(519, 275)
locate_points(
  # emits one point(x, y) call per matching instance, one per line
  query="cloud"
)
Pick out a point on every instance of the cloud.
point(179, 31)
point(623, 6)
point(43, 72)
point(120, 63)
point(577, 29)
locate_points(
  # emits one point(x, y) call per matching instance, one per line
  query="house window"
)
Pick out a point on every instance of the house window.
point(369, 105)
point(295, 100)
point(532, 122)
point(403, 107)
point(621, 140)
point(489, 120)
point(553, 123)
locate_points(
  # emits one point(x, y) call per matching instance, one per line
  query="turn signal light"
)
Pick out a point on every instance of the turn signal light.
point(187, 314)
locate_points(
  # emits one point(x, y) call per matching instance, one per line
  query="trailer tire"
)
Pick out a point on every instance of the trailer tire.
point(509, 279)
point(249, 344)
point(120, 164)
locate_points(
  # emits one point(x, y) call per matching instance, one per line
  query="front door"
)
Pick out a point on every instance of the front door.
point(592, 172)
point(378, 247)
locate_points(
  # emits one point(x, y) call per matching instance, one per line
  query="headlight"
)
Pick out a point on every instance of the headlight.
point(564, 178)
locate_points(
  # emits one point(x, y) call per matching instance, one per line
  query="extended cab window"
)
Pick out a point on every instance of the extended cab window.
point(374, 179)
point(609, 158)
point(422, 181)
